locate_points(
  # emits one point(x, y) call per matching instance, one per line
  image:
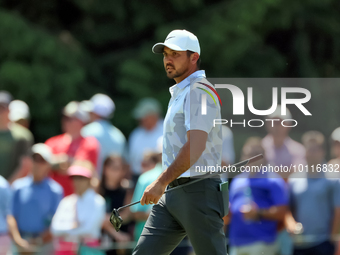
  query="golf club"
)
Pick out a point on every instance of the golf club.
point(116, 220)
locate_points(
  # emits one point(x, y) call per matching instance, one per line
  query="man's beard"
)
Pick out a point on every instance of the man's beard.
point(174, 73)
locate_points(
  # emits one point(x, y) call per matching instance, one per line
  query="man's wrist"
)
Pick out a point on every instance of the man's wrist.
point(17, 239)
point(162, 181)
point(164, 178)
point(260, 213)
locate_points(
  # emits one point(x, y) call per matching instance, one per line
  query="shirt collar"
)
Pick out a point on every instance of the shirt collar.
point(87, 195)
point(31, 181)
point(286, 141)
point(101, 121)
point(186, 81)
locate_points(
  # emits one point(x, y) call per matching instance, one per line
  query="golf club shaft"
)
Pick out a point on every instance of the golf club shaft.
point(134, 203)
point(205, 176)
point(210, 175)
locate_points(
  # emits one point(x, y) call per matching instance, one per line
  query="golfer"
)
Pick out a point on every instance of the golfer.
point(190, 142)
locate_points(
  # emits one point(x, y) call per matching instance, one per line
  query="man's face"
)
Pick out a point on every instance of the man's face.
point(176, 63)
point(71, 125)
point(250, 151)
point(276, 128)
point(315, 154)
point(80, 184)
point(4, 111)
point(149, 121)
point(93, 116)
point(40, 168)
point(115, 171)
point(335, 149)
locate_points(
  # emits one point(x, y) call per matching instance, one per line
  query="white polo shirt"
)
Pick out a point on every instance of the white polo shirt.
point(79, 216)
point(184, 114)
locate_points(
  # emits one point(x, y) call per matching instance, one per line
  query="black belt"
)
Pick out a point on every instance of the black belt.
point(178, 182)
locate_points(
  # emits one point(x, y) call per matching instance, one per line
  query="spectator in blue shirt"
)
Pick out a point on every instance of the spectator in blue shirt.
point(314, 202)
point(111, 139)
point(258, 200)
point(5, 199)
point(144, 137)
point(140, 212)
point(35, 200)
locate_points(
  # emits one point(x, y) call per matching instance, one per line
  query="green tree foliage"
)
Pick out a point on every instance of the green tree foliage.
point(40, 69)
point(109, 44)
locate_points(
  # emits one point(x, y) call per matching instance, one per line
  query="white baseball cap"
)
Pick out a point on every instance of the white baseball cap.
point(179, 40)
point(277, 113)
point(75, 110)
point(43, 150)
point(335, 136)
point(86, 105)
point(18, 110)
point(102, 105)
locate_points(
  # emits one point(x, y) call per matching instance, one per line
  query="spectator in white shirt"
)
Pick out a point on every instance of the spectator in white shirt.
point(144, 138)
point(228, 152)
point(79, 217)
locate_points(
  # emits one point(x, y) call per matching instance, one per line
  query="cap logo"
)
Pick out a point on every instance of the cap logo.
point(169, 37)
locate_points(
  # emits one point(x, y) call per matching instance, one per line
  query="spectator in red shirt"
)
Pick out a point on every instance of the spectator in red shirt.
point(71, 146)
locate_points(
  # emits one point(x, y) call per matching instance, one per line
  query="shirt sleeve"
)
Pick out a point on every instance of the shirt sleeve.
point(57, 198)
point(64, 218)
point(89, 150)
point(336, 192)
point(5, 201)
point(279, 192)
point(299, 156)
point(56, 228)
point(195, 119)
point(291, 194)
point(94, 221)
point(14, 204)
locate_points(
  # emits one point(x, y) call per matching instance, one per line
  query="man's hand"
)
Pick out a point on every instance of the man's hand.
point(22, 243)
point(153, 193)
point(294, 227)
point(24, 247)
point(250, 212)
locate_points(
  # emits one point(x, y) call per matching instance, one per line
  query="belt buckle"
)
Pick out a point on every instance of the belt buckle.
point(174, 183)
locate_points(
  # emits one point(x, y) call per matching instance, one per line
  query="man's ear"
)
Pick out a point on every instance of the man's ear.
point(194, 57)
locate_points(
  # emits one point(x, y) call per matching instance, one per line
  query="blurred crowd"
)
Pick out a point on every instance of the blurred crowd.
point(57, 196)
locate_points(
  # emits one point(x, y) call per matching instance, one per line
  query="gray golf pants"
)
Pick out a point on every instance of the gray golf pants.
point(195, 210)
